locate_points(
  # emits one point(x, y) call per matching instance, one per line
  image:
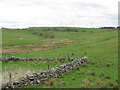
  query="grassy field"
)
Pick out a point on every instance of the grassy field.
point(21, 68)
point(101, 47)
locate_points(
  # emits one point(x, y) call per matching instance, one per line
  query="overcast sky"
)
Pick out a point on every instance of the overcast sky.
point(73, 13)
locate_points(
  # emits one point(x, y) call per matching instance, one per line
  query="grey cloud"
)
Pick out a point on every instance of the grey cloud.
point(2, 0)
point(30, 4)
point(85, 5)
point(110, 16)
point(7, 21)
point(24, 2)
point(68, 13)
point(81, 16)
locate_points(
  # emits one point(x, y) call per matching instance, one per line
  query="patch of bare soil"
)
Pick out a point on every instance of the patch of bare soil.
point(36, 47)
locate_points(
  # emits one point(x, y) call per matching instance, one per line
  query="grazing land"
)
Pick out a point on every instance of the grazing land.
point(99, 45)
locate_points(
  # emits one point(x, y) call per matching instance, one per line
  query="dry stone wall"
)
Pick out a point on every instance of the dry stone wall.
point(33, 59)
point(40, 77)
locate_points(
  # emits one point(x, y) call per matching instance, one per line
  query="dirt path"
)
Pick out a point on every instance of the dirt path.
point(36, 47)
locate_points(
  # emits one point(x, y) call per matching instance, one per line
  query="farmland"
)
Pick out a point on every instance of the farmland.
point(100, 46)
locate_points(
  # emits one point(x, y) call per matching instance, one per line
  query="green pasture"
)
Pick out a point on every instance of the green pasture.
point(30, 65)
point(101, 48)
point(89, 76)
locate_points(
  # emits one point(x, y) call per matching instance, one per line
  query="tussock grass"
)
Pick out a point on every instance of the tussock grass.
point(50, 82)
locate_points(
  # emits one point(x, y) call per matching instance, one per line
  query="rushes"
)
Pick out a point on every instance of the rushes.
point(91, 73)
point(50, 82)
point(81, 72)
point(61, 83)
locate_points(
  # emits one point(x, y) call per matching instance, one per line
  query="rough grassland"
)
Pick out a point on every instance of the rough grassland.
point(101, 49)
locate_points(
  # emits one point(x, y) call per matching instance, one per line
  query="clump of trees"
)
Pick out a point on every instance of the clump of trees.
point(108, 27)
point(44, 34)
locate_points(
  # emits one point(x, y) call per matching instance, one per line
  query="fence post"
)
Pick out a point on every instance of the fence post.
point(10, 79)
point(68, 56)
point(8, 54)
point(27, 55)
point(48, 66)
point(84, 54)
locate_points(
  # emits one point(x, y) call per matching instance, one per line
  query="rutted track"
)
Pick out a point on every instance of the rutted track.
point(36, 47)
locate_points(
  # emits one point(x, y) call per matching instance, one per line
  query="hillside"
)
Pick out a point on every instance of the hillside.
point(100, 46)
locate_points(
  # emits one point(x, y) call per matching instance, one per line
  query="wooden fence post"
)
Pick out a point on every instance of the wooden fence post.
point(10, 79)
point(48, 66)
point(68, 56)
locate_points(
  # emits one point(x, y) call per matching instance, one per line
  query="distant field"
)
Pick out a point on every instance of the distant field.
point(100, 45)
